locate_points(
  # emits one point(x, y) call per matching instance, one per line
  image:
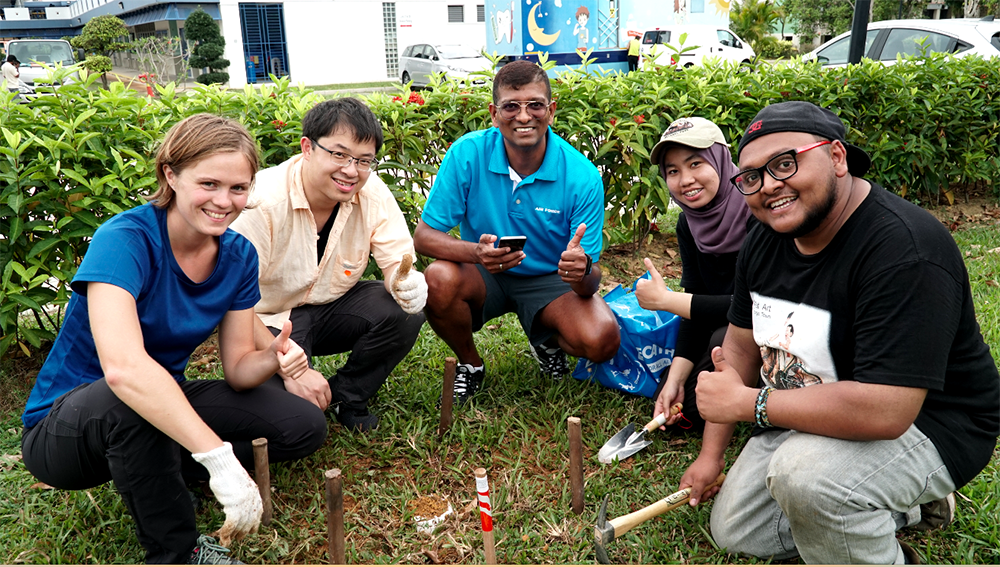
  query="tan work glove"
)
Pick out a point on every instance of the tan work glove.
point(408, 287)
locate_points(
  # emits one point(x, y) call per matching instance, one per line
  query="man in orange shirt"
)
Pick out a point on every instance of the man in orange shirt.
point(315, 220)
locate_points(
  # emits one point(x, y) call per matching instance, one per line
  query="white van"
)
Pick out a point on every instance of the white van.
point(33, 52)
point(708, 41)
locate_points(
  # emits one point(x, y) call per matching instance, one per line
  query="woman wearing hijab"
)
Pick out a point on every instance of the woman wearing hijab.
point(695, 161)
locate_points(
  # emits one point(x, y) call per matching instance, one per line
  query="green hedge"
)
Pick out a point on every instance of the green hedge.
point(70, 160)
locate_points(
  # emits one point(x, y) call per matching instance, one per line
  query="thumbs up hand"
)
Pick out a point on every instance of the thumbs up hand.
point(573, 262)
point(409, 287)
point(722, 395)
point(292, 360)
point(652, 294)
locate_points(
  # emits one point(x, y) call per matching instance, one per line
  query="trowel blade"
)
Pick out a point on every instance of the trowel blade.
point(615, 444)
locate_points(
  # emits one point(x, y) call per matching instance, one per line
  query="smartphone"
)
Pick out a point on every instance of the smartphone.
point(515, 243)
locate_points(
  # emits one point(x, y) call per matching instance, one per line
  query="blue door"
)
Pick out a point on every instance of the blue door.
point(264, 48)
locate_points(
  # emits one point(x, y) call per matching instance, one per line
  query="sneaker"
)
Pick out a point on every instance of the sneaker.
point(356, 419)
point(551, 361)
point(936, 515)
point(207, 552)
point(468, 381)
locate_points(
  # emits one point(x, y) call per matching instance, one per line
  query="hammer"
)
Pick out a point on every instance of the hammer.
point(606, 531)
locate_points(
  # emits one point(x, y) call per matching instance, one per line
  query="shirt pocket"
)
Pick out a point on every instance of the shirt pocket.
point(348, 269)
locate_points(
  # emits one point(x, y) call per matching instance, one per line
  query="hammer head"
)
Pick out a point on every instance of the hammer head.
point(604, 533)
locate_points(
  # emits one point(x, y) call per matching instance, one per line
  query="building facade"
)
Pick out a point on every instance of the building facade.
point(314, 42)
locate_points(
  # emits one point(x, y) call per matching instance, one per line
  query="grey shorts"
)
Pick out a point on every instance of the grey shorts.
point(526, 296)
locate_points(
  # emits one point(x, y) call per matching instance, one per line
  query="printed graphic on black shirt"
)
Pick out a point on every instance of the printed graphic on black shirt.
point(794, 341)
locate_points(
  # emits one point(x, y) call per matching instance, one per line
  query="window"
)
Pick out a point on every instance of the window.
point(391, 47)
point(480, 13)
point(837, 53)
point(456, 14)
point(654, 37)
point(913, 42)
point(697, 6)
point(726, 38)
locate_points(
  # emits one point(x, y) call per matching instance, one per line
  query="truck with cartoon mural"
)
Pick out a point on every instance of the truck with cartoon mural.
point(565, 29)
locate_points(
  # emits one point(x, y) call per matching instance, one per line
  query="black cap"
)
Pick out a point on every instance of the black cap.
point(800, 116)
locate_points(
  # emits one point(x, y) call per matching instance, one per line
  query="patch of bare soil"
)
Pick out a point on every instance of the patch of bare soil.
point(428, 506)
point(623, 263)
point(17, 375)
point(973, 209)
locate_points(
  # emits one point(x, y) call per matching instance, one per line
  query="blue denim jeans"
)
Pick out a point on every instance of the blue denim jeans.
point(827, 500)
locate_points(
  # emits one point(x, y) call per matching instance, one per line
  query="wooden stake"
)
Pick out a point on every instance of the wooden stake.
point(262, 476)
point(486, 516)
point(576, 463)
point(335, 517)
point(447, 395)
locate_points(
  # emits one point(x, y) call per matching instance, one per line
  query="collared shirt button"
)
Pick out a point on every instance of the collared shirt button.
point(518, 201)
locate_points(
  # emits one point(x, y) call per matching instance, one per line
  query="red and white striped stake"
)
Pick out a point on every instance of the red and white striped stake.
point(486, 515)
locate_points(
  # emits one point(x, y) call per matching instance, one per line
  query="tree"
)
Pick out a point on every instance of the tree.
point(101, 37)
point(160, 58)
point(752, 20)
point(202, 29)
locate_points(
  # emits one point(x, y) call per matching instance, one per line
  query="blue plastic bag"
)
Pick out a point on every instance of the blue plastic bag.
point(647, 347)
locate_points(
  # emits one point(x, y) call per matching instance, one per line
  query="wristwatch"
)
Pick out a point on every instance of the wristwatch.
point(590, 264)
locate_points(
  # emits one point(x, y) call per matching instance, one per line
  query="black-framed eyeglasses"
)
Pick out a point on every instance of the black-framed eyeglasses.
point(344, 160)
point(511, 109)
point(780, 167)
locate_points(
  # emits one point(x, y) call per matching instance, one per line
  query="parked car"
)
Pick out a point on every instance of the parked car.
point(418, 62)
point(33, 52)
point(887, 39)
point(708, 41)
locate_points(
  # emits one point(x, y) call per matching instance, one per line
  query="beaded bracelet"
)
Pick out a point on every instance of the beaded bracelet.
point(760, 408)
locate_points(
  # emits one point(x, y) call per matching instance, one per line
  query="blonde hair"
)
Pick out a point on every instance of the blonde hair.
point(194, 139)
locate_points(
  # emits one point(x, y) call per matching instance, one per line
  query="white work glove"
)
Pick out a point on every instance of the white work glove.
point(408, 287)
point(235, 490)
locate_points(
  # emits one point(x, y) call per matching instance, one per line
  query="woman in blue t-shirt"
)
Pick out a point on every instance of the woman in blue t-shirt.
point(695, 161)
point(111, 401)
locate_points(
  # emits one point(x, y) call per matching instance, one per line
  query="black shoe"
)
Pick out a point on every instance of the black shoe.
point(551, 361)
point(468, 381)
point(356, 419)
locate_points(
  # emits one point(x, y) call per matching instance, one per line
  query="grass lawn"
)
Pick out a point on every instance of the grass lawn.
point(343, 86)
point(516, 429)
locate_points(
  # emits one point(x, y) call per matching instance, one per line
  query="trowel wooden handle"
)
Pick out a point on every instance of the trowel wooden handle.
point(676, 500)
point(661, 418)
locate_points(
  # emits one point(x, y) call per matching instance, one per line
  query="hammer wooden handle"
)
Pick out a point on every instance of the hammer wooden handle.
point(676, 500)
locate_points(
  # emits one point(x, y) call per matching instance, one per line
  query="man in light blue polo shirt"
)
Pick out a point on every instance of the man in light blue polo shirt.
point(517, 179)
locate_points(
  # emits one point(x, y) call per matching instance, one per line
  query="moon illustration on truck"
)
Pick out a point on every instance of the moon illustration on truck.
point(536, 32)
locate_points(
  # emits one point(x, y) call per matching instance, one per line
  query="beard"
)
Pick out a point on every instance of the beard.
point(815, 216)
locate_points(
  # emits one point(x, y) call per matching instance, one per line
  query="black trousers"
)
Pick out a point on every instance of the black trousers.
point(90, 437)
point(690, 397)
point(633, 63)
point(367, 322)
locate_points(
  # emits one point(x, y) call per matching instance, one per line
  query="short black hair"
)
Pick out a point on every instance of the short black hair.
point(518, 73)
point(327, 117)
point(12, 59)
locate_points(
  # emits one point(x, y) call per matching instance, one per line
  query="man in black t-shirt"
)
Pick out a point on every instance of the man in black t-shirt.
point(853, 345)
